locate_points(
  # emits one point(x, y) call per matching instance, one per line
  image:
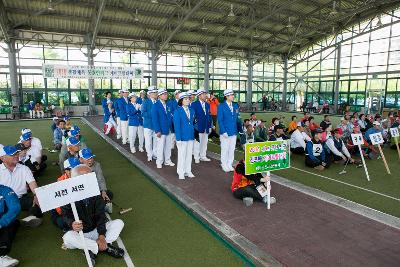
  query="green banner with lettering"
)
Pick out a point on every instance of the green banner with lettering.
point(267, 156)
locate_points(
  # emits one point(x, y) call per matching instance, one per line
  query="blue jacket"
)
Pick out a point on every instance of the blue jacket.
point(57, 136)
point(184, 129)
point(9, 206)
point(139, 100)
point(161, 118)
point(204, 120)
point(121, 103)
point(310, 152)
point(134, 115)
point(31, 106)
point(147, 106)
point(227, 120)
point(106, 111)
point(173, 105)
point(116, 108)
point(370, 131)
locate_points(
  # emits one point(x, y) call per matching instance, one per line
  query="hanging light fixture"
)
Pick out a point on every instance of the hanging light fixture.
point(289, 25)
point(154, 1)
point(203, 26)
point(256, 35)
point(50, 7)
point(231, 14)
point(136, 15)
point(379, 23)
point(334, 9)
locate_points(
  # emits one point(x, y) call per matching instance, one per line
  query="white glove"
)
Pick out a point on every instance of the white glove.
point(209, 130)
point(225, 135)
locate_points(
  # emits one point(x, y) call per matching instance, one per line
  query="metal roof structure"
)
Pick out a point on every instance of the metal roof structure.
point(280, 28)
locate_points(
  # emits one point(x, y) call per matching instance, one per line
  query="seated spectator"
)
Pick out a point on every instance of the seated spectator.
point(58, 134)
point(68, 122)
point(86, 157)
point(246, 123)
point(253, 120)
point(305, 117)
point(327, 132)
point(248, 136)
point(99, 234)
point(337, 149)
point(292, 125)
point(9, 211)
point(35, 142)
point(279, 134)
point(274, 122)
point(307, 128)
point(298, 139)
point(31, 156)
point(17, 177)
point(312, 123)
point(39, 110)
point(56, 217)
point(73, 147)
point(261, 132)
point(373, 130)
point(246, 185)
point(326, 122)
point(31, 108)
point(344, 121)
point(54, 124)
point(315, 153)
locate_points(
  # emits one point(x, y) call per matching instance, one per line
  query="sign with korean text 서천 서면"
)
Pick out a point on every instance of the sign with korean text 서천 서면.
point(91, 72)
point(267, 156)
point(67, 191)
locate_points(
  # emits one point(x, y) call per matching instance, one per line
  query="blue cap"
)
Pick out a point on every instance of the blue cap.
point(66, 118)
point(10, 150)
point(76, 127)
point(86, 153)
point(71, 163)
point(72, 141)
point(25, 136)
point(73, 132)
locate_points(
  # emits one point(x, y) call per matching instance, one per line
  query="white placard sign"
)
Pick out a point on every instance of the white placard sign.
point(394, 132)
point(67, 191)
point(357, 139)
point(376, 138)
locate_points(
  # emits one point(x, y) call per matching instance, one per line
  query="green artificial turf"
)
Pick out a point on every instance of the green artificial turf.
point(157, 233)
point(380, 181)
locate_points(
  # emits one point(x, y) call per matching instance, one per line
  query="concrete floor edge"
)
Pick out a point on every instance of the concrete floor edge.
point(245, 246)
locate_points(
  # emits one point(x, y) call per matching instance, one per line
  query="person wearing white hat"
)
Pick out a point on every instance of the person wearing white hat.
point(162, 125)
point(134, 114)
point(173, 104)
point(36, 143)
point(228, 116)
point(184, 131)
point(203, 125)
point(123, 116)
point(298, 139)
point(150, 141)
point(31, 108)
point(116, 108)
point(142, 97)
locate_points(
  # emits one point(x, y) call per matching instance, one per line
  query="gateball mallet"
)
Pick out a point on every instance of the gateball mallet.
point(344, 169)
point(122, 210)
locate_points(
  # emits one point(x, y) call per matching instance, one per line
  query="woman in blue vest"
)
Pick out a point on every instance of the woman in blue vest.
point(133, 120)
point(184, 133)
point(108, 109)
point(228, 117)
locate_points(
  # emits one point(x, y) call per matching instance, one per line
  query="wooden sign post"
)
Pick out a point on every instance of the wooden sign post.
point(358, 141)
point(377, 139)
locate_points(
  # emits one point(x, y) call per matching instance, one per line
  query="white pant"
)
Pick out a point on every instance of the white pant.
point(32, 113)
point(133, 132)
point(40, 114)
point(163, 149)
point(200, 148)
point(173, 140)
point(72, 239)
point(227, 150)
point(124, 131)
point(150, 142)
point(111, 123)
point(184, 157)
point(118, 128)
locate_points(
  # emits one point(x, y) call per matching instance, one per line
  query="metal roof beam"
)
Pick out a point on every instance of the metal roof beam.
point(97, 15)
point(4, 23)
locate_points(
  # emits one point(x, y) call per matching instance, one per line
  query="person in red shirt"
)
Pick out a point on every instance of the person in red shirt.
point(213, 101)
point(246, 185)
point(305, 117)
point(313, 125)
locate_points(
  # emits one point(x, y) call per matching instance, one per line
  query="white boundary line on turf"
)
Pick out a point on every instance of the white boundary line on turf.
point(127, 258)
point(348, 184)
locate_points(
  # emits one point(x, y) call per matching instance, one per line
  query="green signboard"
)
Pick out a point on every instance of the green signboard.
point(266, 156)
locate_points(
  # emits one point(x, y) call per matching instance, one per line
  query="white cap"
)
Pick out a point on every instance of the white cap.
point(132, 95)
point(177, 92)
point(55, 118)
point(25, 130)
point(161, 91)
point(183, 95)
point(142, 91)
point(124, 91)
point(190, 92)
point(151, 89)
point(300, 124)
point(228, 92)
point(200, 91)
point(2, 153)
point(119, 91)
point(376, 123)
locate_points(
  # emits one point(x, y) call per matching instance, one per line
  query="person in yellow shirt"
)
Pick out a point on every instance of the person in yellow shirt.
point(292, 125)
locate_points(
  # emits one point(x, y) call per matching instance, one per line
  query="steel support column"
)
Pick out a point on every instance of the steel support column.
point(249, 91)
point(337, 80)
point(206, 69)
point(92, 95)
point(153, 46)
point(12, 59)
point(285, 80)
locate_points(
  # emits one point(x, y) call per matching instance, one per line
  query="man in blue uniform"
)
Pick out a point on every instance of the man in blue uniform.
point(123, 116)
point(150, 142)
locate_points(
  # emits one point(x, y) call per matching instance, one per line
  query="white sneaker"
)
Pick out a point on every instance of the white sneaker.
point(170, 164)
point(159, 166)
point(150, 159)
point(181, 177)
point(133, 151)
point(205, 159)
point(7, 261)
point(225, 169)
point(190, 175)
point(197, 161)
point(31, 221)
point(141, 149)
